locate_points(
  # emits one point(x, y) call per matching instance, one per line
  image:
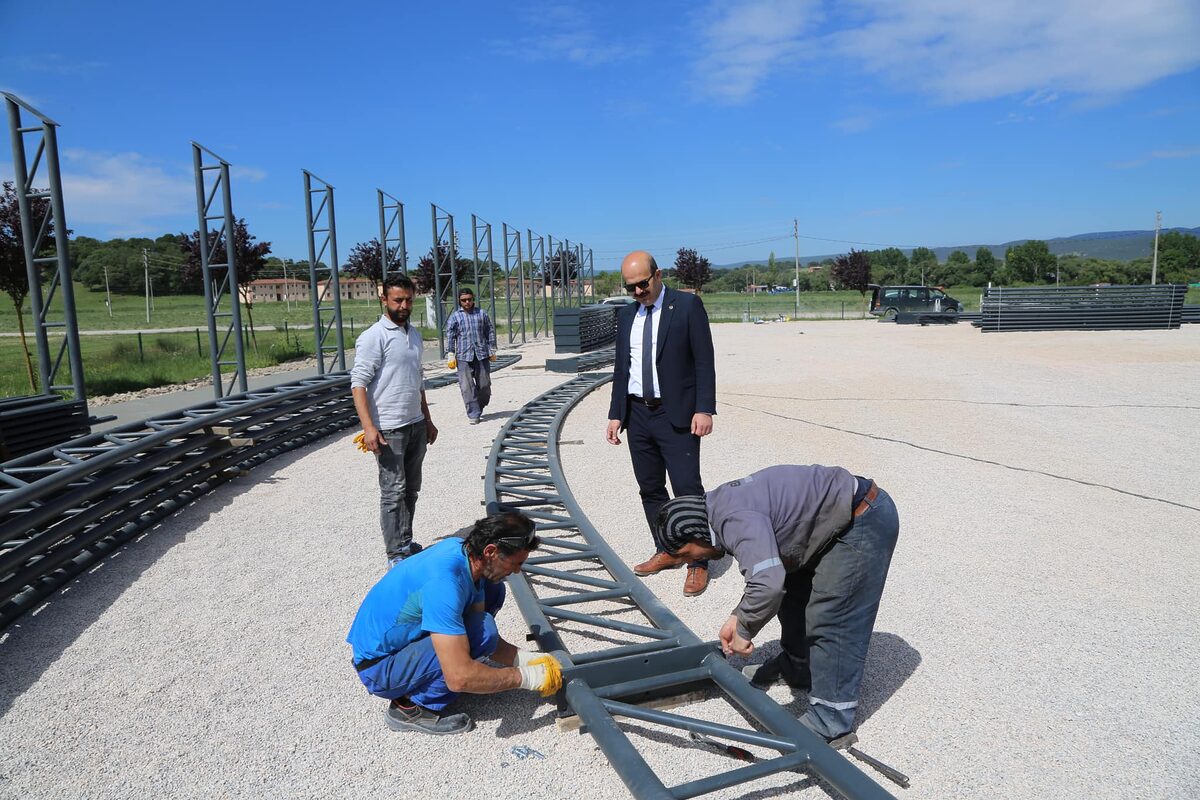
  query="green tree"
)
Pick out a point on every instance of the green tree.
point(250, 257)
point(890, 265)
point(1178, 258)
point(423, 276)
point(985, 263)
point(921, 264)
point(1031, 261)
point(692, 269)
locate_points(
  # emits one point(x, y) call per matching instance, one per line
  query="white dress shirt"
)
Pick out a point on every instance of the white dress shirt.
point(635, 347)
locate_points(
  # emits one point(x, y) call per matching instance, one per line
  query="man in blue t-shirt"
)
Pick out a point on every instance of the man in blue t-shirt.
point(421, 630)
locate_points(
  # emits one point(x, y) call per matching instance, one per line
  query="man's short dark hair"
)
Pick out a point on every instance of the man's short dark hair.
point(399, 282)
point(466, 290)
point(510, 531)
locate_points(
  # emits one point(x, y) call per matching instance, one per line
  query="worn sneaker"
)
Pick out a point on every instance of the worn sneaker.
point(473, 420)
point(402, 717)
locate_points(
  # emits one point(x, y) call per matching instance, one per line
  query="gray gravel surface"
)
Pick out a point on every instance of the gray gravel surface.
point(1037, 637)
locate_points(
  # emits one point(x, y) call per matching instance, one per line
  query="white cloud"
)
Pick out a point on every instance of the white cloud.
point(952, 50)
point(1014, 118)
point(252, 174)
point(567, 32)
point(854, 124)
point(1157, 155)
point(123, 192)
point(744, 41)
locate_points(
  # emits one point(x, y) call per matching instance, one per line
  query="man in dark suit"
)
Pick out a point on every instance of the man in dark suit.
point(664, 393)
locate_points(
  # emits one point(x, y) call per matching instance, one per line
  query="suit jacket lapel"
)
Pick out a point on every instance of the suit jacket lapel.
point(664, 323)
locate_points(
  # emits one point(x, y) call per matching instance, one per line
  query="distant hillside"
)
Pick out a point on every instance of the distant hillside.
point(1111, 245)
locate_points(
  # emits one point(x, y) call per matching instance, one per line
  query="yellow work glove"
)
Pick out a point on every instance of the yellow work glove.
point(542, 675)
point(451, 361)
point(359, 441)
point(492, 357)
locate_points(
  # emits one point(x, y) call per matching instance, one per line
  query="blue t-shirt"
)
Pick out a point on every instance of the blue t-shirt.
point(426, 593)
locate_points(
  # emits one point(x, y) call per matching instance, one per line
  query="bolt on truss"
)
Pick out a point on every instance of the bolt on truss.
point(392, 249)
point(445, 270)
point(512, 254)
point(485, 274)
point(326, 295)
point(634, 649)
point(44, 239)
point(220, 278)
point(537, 278)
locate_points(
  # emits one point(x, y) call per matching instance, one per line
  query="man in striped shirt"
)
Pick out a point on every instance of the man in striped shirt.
point(471, 342)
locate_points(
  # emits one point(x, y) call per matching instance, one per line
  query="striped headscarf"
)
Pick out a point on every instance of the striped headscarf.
point(682, 520)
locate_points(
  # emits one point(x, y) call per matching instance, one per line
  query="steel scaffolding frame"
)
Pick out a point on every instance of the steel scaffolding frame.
point(36, 238)
point(481, 239)
point(537, 266)
point(392, 248)
point(591, 272)
point(512, 242)
point(217, 284)
point(654, 656)
point(443, 230)
point(324, 215)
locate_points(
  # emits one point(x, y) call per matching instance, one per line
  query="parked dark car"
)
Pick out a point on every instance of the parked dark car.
point(888, 301)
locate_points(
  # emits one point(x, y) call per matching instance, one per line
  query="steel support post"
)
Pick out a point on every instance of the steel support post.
point(392, 249)
point(537, 269)
point(579, 273)
point(445, 270)
point(512, 253)
point(41, 233)
point(554, 277)
point(220, 278)
point(481, 241)
point(326, 295)
point(591, 268)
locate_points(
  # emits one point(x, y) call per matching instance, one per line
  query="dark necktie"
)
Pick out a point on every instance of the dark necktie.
point(648, 354)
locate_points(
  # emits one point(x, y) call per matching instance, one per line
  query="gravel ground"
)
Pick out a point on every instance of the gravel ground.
point(1037, 637)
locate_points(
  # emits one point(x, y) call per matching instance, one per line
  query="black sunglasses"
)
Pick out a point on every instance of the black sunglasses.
point(519, 542)
point(641, 285)
point(466, 299)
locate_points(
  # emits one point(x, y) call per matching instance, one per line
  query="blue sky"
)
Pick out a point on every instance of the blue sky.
point(626, 125)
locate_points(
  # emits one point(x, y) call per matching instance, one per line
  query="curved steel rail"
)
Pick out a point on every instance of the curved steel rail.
point(652, 655)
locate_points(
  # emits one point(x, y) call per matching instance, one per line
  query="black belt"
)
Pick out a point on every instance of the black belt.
point(367, 663)
point(652, 402)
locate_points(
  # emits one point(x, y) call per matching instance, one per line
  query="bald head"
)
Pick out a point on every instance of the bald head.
point(639, 267)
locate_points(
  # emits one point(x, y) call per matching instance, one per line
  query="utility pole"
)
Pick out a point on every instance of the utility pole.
point(107, 293)
point(1154, 268)
point(796, 236)
point(146, 279)
point(287, 287)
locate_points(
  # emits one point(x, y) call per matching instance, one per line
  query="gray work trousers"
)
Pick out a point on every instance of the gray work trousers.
point(475, 383)
point(828, 613)
point(399, 483)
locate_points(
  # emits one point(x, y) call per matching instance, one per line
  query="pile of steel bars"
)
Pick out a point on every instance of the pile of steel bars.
point(38, 421)
point(1047, 308)
point(575, 586)
point(1191, 314)
point(584, 362)
point(583, 329)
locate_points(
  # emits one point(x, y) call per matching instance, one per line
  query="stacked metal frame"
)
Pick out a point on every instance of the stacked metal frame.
point(512, 255)
point(577, 586)
point(1047, 308)
point(44, 242)
point(220, 279)
point(485, 274)
point(445, 270)
point(393, 251)
point(583, 362)
point(65, 508)
point(537, 278)
point(326, 297)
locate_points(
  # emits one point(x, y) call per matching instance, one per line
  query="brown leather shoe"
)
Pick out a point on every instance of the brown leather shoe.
point(657, 563)
point(696, 581)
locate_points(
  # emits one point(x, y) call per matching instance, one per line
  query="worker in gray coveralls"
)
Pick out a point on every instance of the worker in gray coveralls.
point(814, 544)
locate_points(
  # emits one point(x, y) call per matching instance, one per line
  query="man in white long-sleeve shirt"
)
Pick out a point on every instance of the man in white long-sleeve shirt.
point(389, 397)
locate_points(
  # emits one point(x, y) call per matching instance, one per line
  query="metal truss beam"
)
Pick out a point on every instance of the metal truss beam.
point(445, 270)
point(485, 279)
point(44, 240)
point(321, 225)
point(392, 248)
point(512, 256)
point(220, 279)
point(537, 269)
point(641, 649)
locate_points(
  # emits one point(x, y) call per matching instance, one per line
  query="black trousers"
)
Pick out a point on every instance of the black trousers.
point(658, 449)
